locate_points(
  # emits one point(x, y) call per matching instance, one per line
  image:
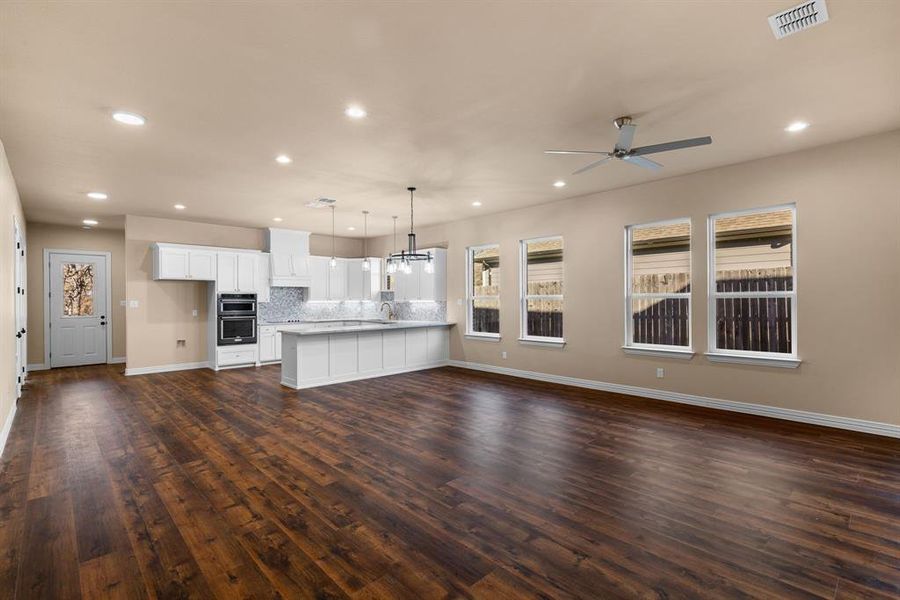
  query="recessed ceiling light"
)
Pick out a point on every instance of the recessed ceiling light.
point(85, 227)
point(90, 222)
point(355, 112)
point(559, 183)
point(180, 207)
point(476, 203)
point(97, 196)
point(277, 219)
point(797, 126)
point(283, 159)
point(128, 118)
point(351, 228)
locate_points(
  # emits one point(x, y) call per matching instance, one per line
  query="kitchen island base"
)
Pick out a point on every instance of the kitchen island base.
point(314, 360)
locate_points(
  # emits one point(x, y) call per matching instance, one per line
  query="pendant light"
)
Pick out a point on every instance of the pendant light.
point(405, 258)
point(333, 262)
point(392, 265)
point(365, 264)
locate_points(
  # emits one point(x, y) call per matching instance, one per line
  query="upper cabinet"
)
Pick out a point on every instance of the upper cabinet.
point(238, 272)
point(176, 261)
point(345, 281)
point(420, 284)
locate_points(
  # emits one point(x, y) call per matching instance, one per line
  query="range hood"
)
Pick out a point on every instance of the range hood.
point(288, 257)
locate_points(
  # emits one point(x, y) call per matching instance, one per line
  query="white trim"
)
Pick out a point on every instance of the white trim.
point(166, 368)
point(7, 427)
point(116, 360)
point(37, 367)
point(483, 337)
point(630, 295)
point(660, 351)
point(712, 294)
point(524, 296)
point(470, 291)
point(764, 359)
point(46, 300)
point(291, 383)
point(788, 414)
point(539, 341)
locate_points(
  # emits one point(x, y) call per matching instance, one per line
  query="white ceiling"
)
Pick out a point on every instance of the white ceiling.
point(462, 99)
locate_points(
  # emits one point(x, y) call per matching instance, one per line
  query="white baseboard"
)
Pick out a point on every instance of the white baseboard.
point(166, 368)
point(885, 429)
point(37, 367)
point(116, 360)
point(7, 427)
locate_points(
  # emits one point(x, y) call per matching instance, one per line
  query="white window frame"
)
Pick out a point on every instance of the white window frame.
point(665, 350)
point(772, 359)
point(470, 293)
point(524, 297)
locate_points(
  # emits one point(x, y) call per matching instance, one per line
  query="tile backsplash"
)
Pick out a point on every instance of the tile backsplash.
point(290, 303)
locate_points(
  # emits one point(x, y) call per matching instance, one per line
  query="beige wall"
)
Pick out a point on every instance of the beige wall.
point(10, 209)
point(848, 228)
point(61, 237)
point(164, 312)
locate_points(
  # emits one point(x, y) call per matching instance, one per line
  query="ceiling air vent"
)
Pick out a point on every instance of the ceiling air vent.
point(796, 19)
point(321, 203)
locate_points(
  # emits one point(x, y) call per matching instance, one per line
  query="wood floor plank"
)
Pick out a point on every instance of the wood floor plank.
point(444, 483)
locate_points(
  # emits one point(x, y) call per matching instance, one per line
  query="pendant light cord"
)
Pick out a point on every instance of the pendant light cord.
point(332, 231)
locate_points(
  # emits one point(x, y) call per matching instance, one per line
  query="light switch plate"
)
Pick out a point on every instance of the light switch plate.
point(123, 303)
point(195, 312)
point(132, 304)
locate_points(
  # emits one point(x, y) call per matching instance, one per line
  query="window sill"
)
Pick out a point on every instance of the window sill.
point(483, 337)
point(787, 362)
point(685, 354)
point(550, 342)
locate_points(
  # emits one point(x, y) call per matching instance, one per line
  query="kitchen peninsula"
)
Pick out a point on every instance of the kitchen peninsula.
point(322, 353)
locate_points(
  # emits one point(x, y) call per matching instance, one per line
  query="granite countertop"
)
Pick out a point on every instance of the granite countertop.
point(354, 325)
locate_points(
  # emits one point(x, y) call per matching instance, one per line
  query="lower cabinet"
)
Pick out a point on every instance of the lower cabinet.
point(269, 340)
point(312, 360)
point(244, 354)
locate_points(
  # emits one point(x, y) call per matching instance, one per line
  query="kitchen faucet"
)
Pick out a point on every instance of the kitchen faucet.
point(391, 315)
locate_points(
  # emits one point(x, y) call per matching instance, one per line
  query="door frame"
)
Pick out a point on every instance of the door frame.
point(20, 303)
point(107, 256)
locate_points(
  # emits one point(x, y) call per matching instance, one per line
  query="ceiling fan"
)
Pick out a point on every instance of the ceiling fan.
point(636, 156)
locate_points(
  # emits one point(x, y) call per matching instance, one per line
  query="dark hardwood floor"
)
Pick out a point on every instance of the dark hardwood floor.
point(441, 483)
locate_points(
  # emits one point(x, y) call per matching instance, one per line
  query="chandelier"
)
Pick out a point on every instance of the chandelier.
point(403, 260)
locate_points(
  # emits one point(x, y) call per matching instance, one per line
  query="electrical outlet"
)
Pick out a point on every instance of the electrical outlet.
point(660, 373)
point(503, 355)
point(132, 304)
point(195, 312)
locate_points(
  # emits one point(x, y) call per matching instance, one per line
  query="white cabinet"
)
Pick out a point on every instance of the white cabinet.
point(421, 285)
point(318, 278)
point(242, 354)
point(269, 340)
point(363, 285)
point(337, 280)
point(237, 272)
point(290, 270)
point(175, 261)
point(327, 282)
point(263, 287)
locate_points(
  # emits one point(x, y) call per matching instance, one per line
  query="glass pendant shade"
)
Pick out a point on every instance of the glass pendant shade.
point(365, 265)
point(407, 267)
point(333, 262)
point(392, 267)
point(429, 266)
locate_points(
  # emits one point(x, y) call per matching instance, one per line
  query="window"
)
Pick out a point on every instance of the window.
point(752, 285)
point(658, 286)
point(541, 282)
point(78, 289)
point(483, 290)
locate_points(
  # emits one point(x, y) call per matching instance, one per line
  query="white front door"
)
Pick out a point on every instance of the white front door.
point(19, 249)
point(78, 311)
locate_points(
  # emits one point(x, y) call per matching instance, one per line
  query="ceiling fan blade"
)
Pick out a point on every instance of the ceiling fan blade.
point(626, 137)
point(700, 141)
point(590, 166)
point(640, 161)
point(574, 152)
